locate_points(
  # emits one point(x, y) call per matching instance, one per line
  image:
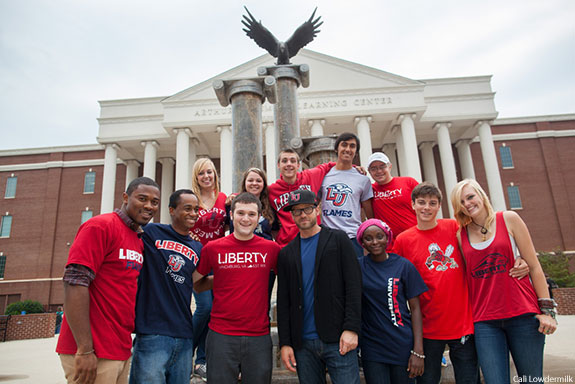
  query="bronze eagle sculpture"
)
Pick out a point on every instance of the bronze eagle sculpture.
point(283, 51)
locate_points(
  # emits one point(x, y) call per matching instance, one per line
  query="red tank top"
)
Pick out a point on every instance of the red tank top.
point(495, 294)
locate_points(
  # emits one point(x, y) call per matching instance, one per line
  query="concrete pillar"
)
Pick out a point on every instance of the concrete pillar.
point(286, 117)
point(411, 152)
point(132, 167)
point(465, 159)
point(316, 127)
point(447, 161)
point(109, 178)
point(364, 135)
point(401, 161)
point(246, 97)
point(182, 158)
point(167, 187)
point(192, 156)
point(150, 157)
point(389, 150)
point(429, 173)
point(491, 166)
point(271, 152)
point(226, 166)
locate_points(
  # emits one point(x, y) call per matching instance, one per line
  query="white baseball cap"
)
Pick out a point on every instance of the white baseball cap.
point(378, 156)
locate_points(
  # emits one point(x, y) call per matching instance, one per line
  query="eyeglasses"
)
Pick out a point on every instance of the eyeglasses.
point(306, 210)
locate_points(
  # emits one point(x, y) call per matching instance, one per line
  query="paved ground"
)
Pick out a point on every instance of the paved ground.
point(34, 361)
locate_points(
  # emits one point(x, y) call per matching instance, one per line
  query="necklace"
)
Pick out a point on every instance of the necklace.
point(483, 230)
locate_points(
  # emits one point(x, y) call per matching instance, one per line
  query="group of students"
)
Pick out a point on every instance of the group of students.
point(400, 285)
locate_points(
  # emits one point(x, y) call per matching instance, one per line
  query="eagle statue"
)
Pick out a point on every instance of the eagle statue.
point(279, 49)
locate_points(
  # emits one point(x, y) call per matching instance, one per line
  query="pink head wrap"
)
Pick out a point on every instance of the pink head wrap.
point(378, 223)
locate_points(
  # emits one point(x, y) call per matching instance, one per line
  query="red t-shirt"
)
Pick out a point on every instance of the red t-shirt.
point(241, 276)
point(279, 195)
point(445, 307)
point(495, 294)
point(392, 203)
point(211, 222)
point(113, 251)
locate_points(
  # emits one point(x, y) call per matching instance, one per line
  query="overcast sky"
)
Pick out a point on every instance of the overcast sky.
point(59, 57)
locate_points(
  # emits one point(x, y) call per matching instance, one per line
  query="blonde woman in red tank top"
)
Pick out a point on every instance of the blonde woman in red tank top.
point(510, 314)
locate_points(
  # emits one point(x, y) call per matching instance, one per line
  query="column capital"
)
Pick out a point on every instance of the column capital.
point(462, 142)
point(427, 144)
point(151, 142)
point(112, 145)
point(357, 119)
point(436, 126)
point(131, 161)
point(311, 122)
point(220, 128)
point(186, 130)
point(167, 160)
point(404, 116)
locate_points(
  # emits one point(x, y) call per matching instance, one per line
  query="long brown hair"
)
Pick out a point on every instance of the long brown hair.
point(266, 208)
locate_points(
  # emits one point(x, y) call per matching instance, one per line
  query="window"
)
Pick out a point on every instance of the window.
point(6, 226)
point(86, 215)
point(2, 266)
point(89, 182)
point(514, 198)
point(11, 187)
point(506, 159)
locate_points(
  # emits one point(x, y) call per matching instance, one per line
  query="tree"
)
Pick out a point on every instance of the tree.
point(27, 305)
point(556, 266)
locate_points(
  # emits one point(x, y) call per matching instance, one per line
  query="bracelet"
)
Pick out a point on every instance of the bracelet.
point(85, 353)
point(550, 312)
point(545, 303)
point(417, 354)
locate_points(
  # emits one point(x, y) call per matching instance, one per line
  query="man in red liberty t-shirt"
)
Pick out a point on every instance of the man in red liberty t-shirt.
point(239, 328)
point(391, 195)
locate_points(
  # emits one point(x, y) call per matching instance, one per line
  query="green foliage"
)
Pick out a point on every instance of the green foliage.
point(27, 305)
point(556, 266)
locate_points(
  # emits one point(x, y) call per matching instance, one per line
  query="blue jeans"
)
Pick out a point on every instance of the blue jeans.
point(383, 373)
point(200, 321)
point(462, 355)
point(161, 359)
point(494, 340)
point(230, 355)
point(315, 355)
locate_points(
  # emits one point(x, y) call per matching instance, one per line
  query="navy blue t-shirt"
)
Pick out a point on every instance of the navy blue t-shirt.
point(165, 282)
point(386, 333)
point(308, 251)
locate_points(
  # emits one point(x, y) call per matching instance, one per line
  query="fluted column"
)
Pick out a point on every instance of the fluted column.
point(428, 160)
point(316, 127)
point(410, 147)
point(131, 171)
point(447, 161)
point(109, 178)
point(389, 150)
point(182, 158)
point(364, 135)
point(272, 147)
point(150, 157)
point(465, 159)
point(226, 166)
point(167, 188)
point(491, 167)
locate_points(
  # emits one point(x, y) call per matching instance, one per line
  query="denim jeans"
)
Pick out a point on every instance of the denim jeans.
point(494, 340)
point(227, 356)
point(383, 373)
point(161, 359)
point(200, 321)
point(315, 355)
point(462, 355)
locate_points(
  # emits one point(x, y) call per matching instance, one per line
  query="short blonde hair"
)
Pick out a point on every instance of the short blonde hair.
point(199, 166)
point(458, 211)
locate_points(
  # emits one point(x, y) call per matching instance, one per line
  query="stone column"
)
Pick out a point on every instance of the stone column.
point(364, 135)
point(410, 146)
point(316, 127)
point(401, 161)
point(288, 78)
point(447, 161)
point(182, 158)
point(271, 152)
point(132, 167)
point(389, 150)
point(150, 157)
point(491, 166)
point(167, 187)
point(109, 178)
point(226, 166)
point(429, 173)
point(192, 156)
point(465, 159)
